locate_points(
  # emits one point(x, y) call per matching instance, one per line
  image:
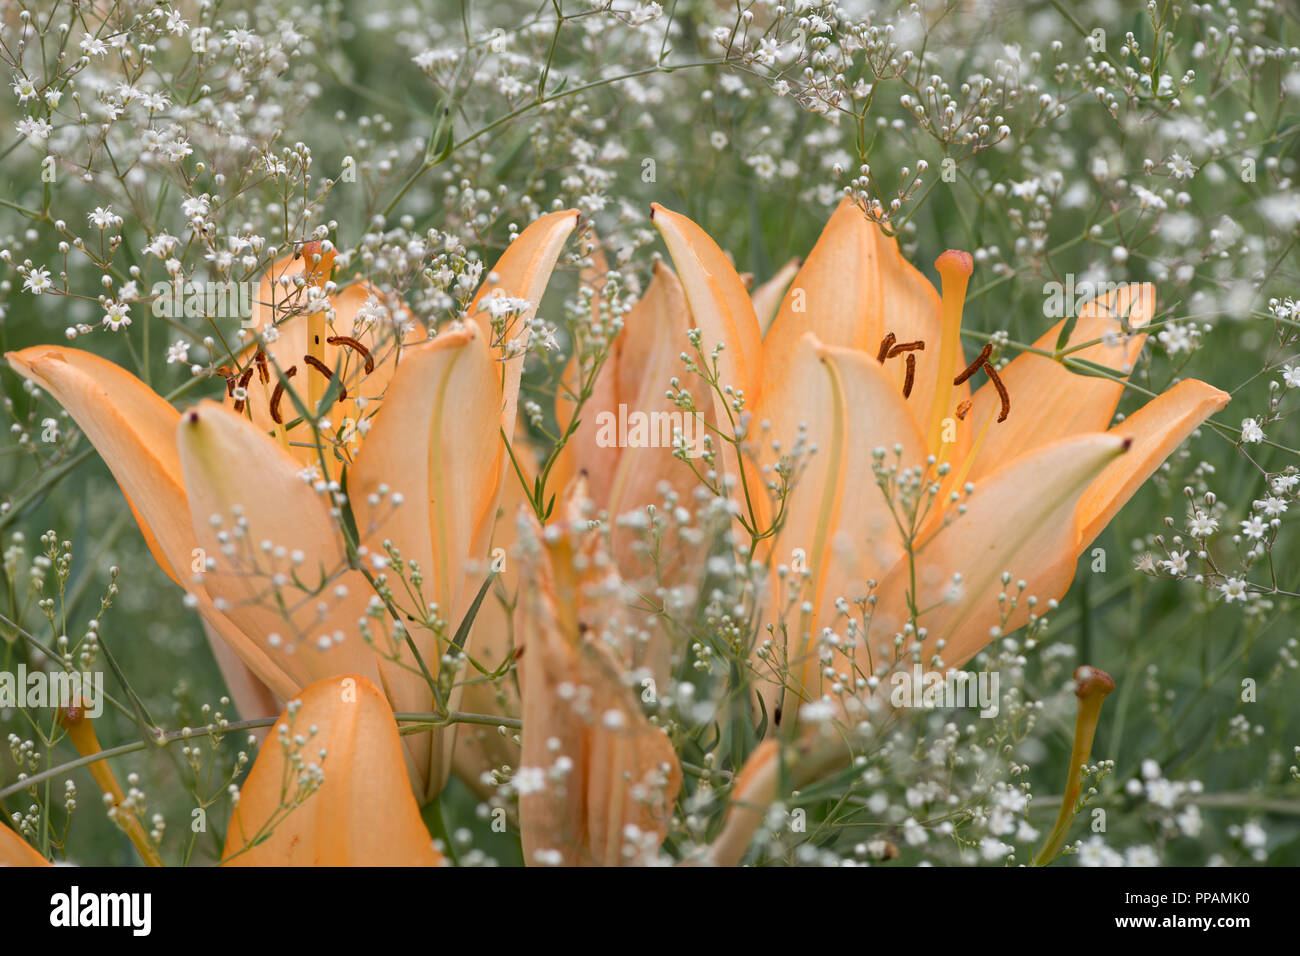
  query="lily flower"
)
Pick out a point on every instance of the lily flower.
point(921, 497)
point(596, 781)
point(624, 440)
point(242, 503)
point(621, 452)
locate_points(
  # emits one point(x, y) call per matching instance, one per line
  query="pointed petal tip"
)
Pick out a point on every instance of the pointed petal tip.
point(25, 361)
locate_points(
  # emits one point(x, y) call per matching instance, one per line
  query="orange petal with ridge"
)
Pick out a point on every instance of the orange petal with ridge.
point(1155, 430)
point(234, 472)
point(522, 272)
point(436, 441)
point(752, 793)
point(134, 430)
point(362, 814)
point(1020, 520)
point(720, 306)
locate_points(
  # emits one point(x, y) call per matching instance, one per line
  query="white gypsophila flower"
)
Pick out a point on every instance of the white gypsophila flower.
point(117, 315)
point(1180, 166)
point(37, 281)
point(1234, 589)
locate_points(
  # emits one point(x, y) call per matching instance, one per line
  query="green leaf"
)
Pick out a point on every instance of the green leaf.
point(462, 632)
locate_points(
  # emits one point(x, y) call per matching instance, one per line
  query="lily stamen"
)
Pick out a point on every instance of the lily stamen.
point(367, 362)
point(263, 373)
point(328, 372)
point(244, 379)
point(901, 347)
point(974, 366)
point(319, 264)
point(890, 347)
point(992, 373)
point(225, 372)
point(886, 344)
point(279, 393)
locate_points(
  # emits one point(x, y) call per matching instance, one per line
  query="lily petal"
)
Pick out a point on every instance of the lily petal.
point(836, 515)
point(133, 429)
point(719, 303)
point(522, 272)
point(622, 772)
point(1049, 400)
point(244, 487)
point(436, 442)
point(753, 792)
point(721, 310)
point(768, 296)
point(1155, 430)
point(1020, 520)
point(15, 851)
point(363, 812)
point(656, 331)
point(836, 295)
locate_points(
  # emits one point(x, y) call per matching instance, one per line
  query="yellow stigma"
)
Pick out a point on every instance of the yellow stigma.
point(1091, 687)
point(317, 266)
point(955, 268)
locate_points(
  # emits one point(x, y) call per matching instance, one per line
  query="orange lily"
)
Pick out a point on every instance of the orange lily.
point(866, 355)
point(221, 498)
point(597, 781)
point(625, 465)
point(619, 479)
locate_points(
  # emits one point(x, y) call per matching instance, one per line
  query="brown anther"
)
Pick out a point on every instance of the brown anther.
point(328, 372)
point(263, 372)
point(992, 373)
point(279, 393)
point(963, 409)
point(974, 366)
point(225, 372)
point(901, 347)
point(243, 383)
point(355, 346)
point(911, 375)
point(886, 344)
